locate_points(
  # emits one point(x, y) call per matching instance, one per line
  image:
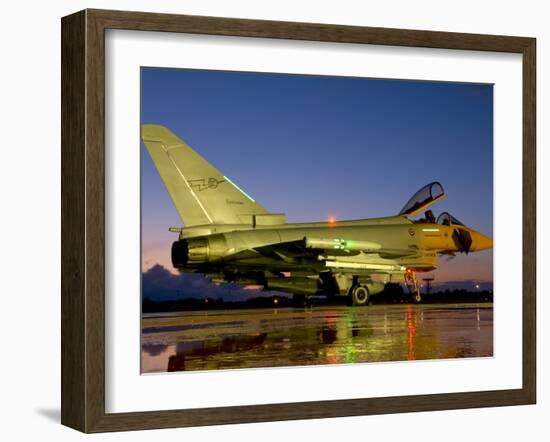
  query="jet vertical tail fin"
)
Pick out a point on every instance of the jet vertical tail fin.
point(199, 191)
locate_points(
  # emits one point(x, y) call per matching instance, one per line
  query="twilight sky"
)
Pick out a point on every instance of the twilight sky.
point(314, 147)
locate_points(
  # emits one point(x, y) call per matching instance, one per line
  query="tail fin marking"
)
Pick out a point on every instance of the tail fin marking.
point(199, 191)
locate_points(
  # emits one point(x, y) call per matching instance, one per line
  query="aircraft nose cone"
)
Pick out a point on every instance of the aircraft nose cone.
point(480, 241)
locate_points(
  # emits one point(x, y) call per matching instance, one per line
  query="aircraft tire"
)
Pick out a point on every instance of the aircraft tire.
point(360, 295)
point(417, 298)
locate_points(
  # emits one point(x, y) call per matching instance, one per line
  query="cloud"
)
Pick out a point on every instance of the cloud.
point(159, 284)
point(154, 349)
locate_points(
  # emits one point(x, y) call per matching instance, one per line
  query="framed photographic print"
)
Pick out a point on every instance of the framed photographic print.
point(269, 220)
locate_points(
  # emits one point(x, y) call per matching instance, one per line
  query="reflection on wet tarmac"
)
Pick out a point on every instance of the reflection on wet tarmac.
point(217, 340)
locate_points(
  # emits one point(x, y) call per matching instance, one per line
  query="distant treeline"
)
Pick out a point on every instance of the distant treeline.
point(392, 294)
point(150, 306)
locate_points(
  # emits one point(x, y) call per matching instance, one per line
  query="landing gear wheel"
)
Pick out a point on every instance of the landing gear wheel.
point(412, 285)
point(360, 295)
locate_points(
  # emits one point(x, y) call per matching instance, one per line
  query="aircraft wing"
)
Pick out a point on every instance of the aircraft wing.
point(303, 249)
point(288, 251)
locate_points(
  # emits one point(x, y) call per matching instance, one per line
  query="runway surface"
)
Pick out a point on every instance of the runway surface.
point(215, 340)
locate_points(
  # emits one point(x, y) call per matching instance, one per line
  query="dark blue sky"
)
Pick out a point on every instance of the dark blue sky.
point(317, 146)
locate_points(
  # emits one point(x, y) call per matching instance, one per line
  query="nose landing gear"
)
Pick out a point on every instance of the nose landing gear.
point(412, 284)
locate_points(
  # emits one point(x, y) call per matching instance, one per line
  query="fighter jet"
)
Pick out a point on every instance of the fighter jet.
point(230, 237)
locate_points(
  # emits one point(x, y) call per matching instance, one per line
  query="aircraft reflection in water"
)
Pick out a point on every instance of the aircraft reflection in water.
point(229, 237)
point(189, 341)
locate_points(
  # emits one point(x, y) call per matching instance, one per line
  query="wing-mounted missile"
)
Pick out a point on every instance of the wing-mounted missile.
point(341, 244)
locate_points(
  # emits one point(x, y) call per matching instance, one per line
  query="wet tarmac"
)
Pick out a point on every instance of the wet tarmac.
point(216, 340)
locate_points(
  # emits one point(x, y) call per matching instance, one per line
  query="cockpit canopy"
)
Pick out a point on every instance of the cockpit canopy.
point(446, 219)
point(423, 199)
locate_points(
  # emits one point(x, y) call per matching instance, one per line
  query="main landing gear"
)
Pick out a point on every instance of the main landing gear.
point(412, 285)
point(360, 295)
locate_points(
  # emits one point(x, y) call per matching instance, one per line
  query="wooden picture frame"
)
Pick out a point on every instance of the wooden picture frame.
point(83, 220)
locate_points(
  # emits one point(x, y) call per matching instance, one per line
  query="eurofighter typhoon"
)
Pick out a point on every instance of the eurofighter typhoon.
point(230, 237)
